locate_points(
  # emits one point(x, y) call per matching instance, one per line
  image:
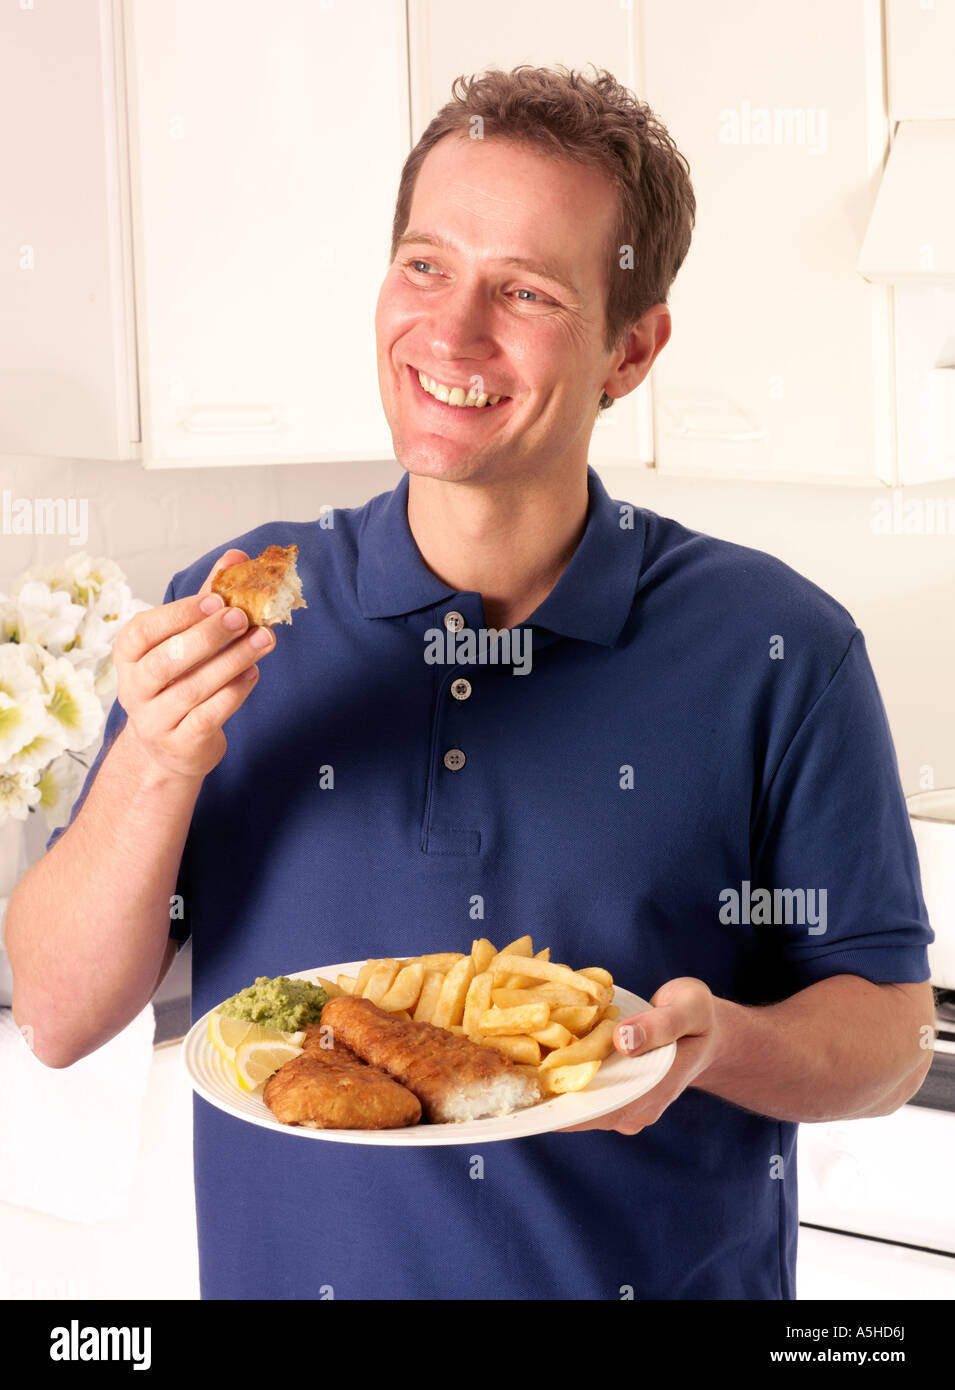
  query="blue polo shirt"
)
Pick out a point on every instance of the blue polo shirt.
point(699, 724)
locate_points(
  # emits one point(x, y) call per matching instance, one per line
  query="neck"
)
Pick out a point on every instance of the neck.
point(510, 544)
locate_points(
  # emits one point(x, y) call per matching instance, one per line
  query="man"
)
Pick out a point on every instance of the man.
point(698, 723)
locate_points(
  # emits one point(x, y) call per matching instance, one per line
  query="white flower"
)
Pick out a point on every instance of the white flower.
point(80, 575)
point(18, 792)
point(44, 616)
point(34, 756)
point(59, 787)
point(23, 714)
point(72, 702)
point(57, 678)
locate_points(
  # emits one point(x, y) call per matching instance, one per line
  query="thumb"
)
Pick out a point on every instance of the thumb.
point(231, 557)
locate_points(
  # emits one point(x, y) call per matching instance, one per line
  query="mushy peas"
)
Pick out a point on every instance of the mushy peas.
point(285, 1004)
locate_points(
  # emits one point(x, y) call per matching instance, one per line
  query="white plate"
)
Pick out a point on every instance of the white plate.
point(619, 1081)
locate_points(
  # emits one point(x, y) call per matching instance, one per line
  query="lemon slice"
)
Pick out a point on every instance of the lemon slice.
point(226, 1034)
point(255, 1061)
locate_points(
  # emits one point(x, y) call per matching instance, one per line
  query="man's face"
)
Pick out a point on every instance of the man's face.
point(464, 314)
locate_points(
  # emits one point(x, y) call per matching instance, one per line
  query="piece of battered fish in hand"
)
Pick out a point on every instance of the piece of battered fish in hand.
point(331, 1088)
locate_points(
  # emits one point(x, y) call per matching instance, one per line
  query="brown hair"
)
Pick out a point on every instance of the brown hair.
point(602, 125)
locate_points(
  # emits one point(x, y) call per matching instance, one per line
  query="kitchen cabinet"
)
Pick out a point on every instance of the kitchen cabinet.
point(67, 384)
point(780, 363)
point(444, 42)
point(194, 276)
point(267, 141)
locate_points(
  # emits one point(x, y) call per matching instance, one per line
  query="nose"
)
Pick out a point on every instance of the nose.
point(460, 326)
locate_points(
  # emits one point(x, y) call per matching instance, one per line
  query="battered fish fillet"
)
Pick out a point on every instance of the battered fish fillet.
point(331, 1088)
point(453, 1078)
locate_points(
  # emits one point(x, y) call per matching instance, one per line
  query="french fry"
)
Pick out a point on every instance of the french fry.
point(555, 993)
point(613, 1012)
point(558, 1081)
point(578, 1018)
point(545, 970)
point(380, 980)
point(526, 1018)
point(428, 998)
point(544, 954)
point(606, 1010)
point(513, 982)
point(594, 972)
point(347, 983)
point(456, 1028)
point(450, 1006)
point(541, 992)
point(363, 977)
point(597, 1045)
point(403, 994)
point(482, 953)
point(523, 946)
point(441, 960)
point(554, 1035)
point(518, 1048)
point(476, 1003)
point(331, 989)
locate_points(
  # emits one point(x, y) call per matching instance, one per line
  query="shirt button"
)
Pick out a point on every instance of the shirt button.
point(461, 689)
point(454, 759)
point(453, 621)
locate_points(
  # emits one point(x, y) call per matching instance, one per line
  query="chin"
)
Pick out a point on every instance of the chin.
point(447, 465)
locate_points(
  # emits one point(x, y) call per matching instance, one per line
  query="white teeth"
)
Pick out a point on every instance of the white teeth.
point(456, 395)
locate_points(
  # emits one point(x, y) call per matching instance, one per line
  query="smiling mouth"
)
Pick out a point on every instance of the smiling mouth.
point(459, 401)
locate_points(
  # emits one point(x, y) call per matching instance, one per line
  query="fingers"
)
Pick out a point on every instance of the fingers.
point(212, 713)
point(145, 631)
point(196, 686)
point(187, 651)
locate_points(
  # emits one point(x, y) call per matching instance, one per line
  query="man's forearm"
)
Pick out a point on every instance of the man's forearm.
point(87, 927)
point(843, 1048)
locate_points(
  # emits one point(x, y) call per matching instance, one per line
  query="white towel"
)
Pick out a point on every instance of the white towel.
point(69, 1137)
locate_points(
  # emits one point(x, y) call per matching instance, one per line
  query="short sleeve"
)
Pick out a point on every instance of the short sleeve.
point(115, 720)
point(834, 824)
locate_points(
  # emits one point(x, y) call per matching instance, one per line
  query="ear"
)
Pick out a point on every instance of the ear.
point(646, 338)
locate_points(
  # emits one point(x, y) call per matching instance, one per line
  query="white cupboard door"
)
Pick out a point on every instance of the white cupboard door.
point(779, 365)
point(66, 391)
point(920, 46)
point(268, 141)
point(450, 37)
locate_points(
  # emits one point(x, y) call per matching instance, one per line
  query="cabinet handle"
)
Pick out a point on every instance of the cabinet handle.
point(211, 419)
point(709, 419)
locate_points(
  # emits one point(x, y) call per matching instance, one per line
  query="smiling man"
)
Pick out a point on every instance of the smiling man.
point(697, 722)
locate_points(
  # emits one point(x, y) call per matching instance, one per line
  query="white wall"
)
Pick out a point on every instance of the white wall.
point(899, 588)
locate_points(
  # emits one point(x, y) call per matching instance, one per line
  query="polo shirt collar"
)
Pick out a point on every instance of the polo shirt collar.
point(591, 600)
